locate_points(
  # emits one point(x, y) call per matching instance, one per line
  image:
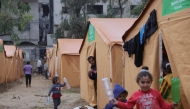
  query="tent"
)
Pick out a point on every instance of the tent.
point(50, 61)
point(68, 60)
point(173, 28)
point(21, 62)
point(18, 66)
point(103, 39)
point(52, 67)
point(10, 51)
point(3, 62)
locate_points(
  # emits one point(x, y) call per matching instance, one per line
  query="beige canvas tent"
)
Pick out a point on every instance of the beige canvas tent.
point(10, 62)
point(174, 29)
point(3, 62)
point(68, 60)
point(103, 40)
point(52, 67)
point(17, 66)
point(21, 63)
point(50, 62)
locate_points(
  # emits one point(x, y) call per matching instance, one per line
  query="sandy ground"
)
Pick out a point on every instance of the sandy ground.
point(17, 96)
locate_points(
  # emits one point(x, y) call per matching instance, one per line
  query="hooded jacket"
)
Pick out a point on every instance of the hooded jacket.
point(118, 89)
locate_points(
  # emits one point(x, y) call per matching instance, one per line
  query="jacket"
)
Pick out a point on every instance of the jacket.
point(116, 92)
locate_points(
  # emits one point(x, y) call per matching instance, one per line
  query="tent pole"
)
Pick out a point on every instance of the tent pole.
point(111, 65)
point(123, 65)
point(160, 53)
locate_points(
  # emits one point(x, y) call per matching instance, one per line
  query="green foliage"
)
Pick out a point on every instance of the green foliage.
point(76, 24)
point(13, 13)
point(138, 9)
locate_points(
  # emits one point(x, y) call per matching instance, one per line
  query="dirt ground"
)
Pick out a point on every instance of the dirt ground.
point(16, 96)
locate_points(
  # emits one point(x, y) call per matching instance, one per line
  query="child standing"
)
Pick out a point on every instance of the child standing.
point(56, 89)
point(120, 94)
point(165, 89)
point(145, 98)
point(166, 85)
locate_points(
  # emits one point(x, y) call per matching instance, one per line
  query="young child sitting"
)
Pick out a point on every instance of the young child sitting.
point(120, 94)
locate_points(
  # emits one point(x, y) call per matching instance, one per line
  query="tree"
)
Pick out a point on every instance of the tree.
point(13, 13)
point(112, 9)
point(138, 9)
point(75, 25)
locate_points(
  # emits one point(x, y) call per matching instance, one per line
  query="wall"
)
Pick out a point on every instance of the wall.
point(32, 34)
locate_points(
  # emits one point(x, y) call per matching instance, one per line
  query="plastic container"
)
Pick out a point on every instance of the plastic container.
point(48, 101)
point(67, 83)
point(107, 88)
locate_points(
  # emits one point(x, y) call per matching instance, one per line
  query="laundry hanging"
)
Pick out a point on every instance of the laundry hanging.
point(136, 44)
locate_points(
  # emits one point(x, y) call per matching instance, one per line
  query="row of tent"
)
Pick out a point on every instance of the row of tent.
point(104, 38)
point(63, 60)
point(11, 63)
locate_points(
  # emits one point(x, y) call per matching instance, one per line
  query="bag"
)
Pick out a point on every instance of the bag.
point(176, 89)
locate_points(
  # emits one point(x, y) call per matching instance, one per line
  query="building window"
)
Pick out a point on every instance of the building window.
point(27, 28)
point(65, 10)
point(95, 9)
point(45, 10)
point(116, 11)
point(132, 7)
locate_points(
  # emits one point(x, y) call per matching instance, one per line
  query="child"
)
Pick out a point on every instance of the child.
point(56, 88)
point(165, 89)
point(145, 98)
point(120, 94)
